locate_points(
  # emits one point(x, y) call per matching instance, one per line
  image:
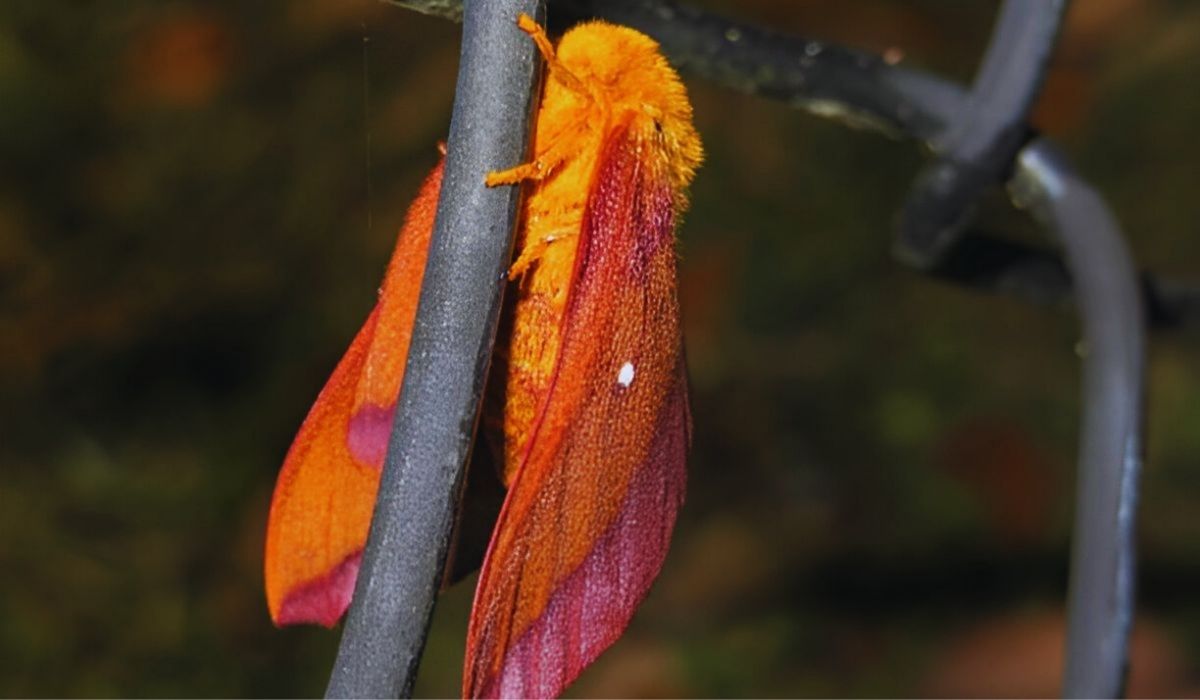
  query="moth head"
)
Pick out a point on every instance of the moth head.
point(628, 73)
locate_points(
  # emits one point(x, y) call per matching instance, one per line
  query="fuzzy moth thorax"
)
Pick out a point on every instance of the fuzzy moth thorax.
point(630, 76)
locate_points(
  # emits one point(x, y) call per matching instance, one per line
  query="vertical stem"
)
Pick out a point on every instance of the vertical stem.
point(1103, 560)
point(448, 358)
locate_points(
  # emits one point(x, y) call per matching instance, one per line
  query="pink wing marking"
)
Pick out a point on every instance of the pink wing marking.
point(324, 600)
point(368, 432)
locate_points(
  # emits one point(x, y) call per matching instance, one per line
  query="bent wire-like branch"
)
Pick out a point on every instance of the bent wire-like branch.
point(976, 151)
point(866, 91)
point(1103, 559)
point(448, 359)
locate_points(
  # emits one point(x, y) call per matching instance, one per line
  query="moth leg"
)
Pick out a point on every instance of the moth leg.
point(536, 249)
point(536, 169)
point(541, 167)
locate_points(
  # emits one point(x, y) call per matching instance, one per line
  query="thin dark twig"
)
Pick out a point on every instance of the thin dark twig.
point(1170, 304)
point(1001, 266)
point(1037, 275)
point(855, 87)
point(851, 86)
point(448, 359)
point(976, 151)
point(1103, 558)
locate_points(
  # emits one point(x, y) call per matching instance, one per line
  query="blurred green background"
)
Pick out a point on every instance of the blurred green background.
point(197, 200)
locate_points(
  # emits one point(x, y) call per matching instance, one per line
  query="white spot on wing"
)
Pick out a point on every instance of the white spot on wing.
point(625, 375)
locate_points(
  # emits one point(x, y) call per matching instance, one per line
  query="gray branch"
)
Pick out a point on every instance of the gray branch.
point(448, 359)
point(1103, 559)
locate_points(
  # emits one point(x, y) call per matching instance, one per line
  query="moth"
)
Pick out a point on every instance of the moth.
point(587, 411)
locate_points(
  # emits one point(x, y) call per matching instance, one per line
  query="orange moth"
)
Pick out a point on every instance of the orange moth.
point(587, 409)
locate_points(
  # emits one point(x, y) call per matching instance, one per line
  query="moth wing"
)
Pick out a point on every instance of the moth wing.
point(586, 524)
point(325, 494)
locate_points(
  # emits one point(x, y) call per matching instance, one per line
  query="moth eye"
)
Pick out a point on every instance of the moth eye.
point(658, 126)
